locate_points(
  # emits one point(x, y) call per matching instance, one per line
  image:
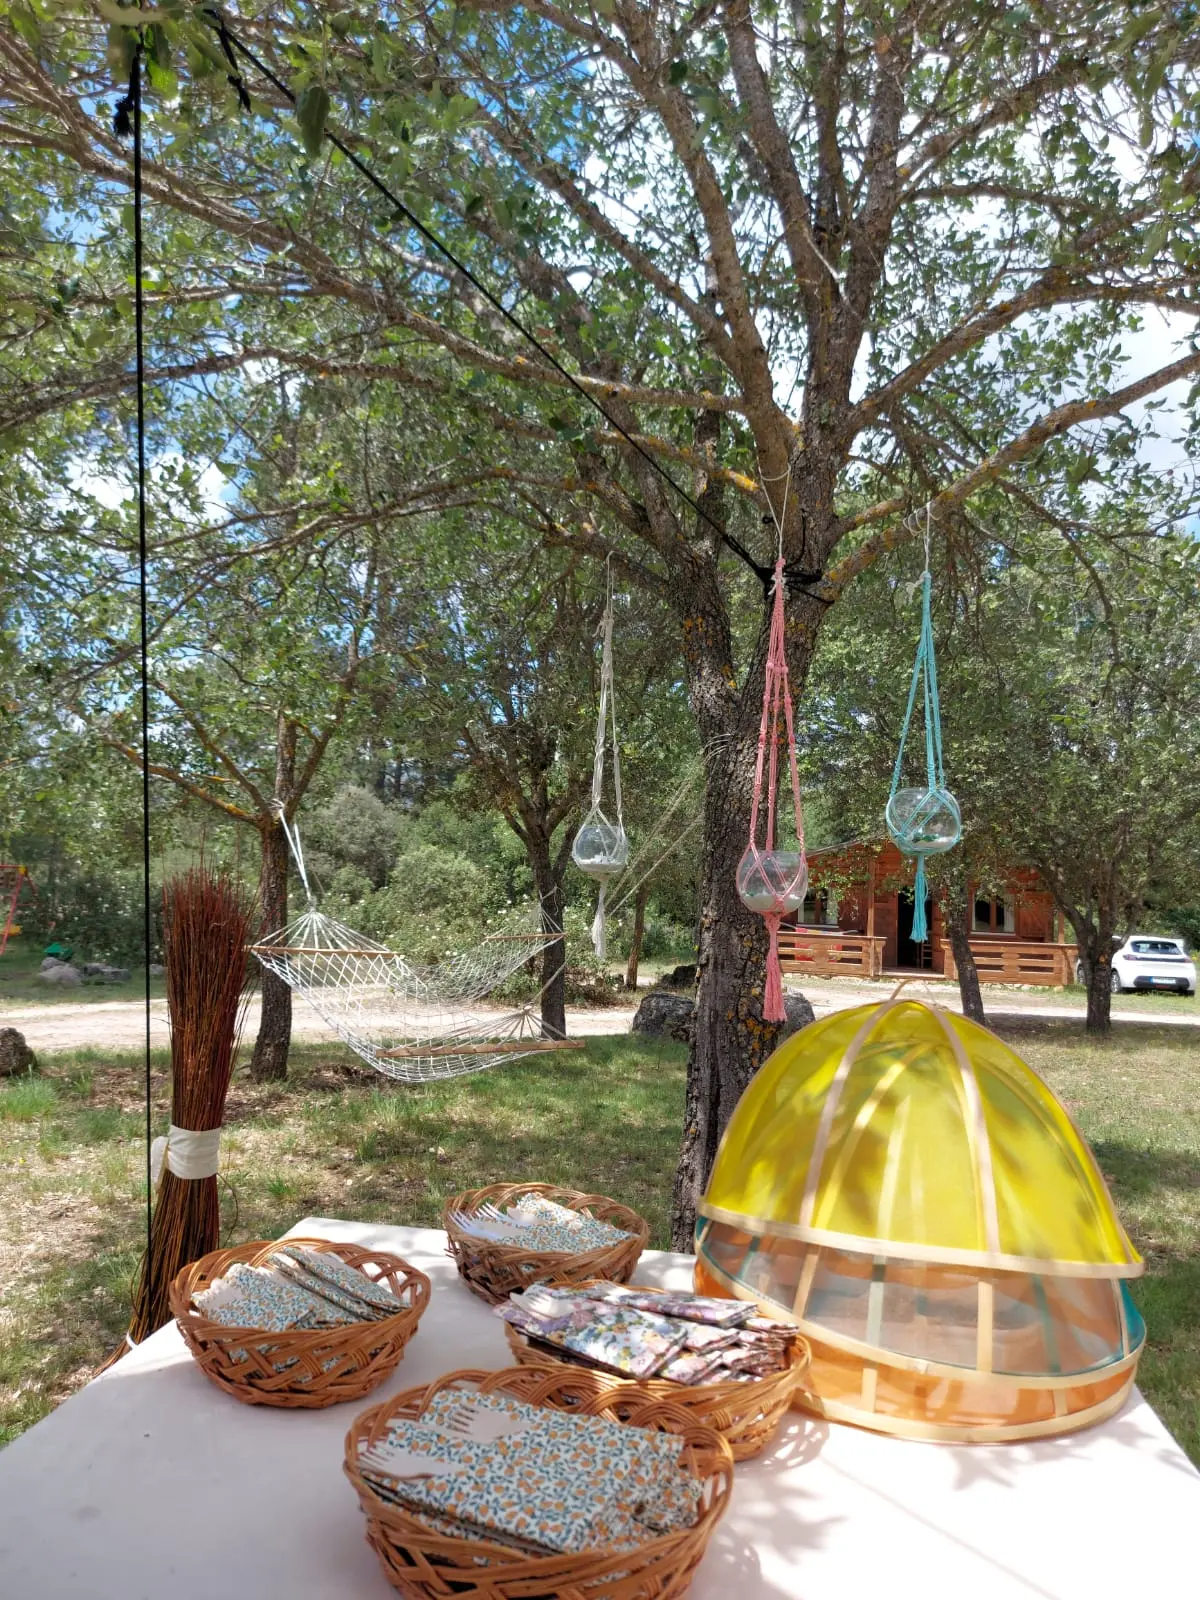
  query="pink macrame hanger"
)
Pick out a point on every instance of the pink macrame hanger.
point(774, 882)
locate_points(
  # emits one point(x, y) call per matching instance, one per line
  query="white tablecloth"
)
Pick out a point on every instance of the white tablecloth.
point(150, 1484)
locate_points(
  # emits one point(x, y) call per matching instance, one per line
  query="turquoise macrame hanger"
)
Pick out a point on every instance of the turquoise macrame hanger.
point(923, 821)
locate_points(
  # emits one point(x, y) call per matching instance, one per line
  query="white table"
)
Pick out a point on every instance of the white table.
point(150, 1484)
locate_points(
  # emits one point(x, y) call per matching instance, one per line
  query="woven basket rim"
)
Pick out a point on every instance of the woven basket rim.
point(573, 1199)
point(703, 1393)
point(398, 1524)
point(202, 1326)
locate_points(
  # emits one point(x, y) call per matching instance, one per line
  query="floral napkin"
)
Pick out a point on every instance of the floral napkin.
point(325, 1272)
point(565, 1484)
point(547, 1226)
point(261, 1297)
point(614, 1329)
point(691, 1307)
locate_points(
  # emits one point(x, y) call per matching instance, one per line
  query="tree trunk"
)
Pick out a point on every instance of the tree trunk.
point(1099, 984)
point(548, 883)
point(269, 1061)
point(639, 933)
point(731, 1040)
point(957, 914)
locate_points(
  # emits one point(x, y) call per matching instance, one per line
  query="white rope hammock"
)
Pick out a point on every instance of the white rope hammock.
point(413, 1024)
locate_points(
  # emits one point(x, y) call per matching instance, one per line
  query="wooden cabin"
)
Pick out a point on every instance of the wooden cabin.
point(857, 921)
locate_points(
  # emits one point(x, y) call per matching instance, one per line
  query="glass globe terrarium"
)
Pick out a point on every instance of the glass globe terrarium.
point(601, 848)
point(772, 882)
point(901, 1186)
point(924, 821)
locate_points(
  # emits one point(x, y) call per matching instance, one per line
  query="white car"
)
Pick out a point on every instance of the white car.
point(1147, 961)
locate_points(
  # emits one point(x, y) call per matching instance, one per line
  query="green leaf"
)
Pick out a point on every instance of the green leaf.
point(1080, 470)
point(678, 72)
point(1137, 29)
point(119, 48)
point(473, 206)
point(127, 16)
point(26, 25)
point(312, 111)
point(1153, 241)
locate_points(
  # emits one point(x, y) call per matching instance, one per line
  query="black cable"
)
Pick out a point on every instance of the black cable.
point(231, 44)
point(122, 127)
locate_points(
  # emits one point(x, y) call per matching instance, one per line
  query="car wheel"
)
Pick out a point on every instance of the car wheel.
point(1115, 983)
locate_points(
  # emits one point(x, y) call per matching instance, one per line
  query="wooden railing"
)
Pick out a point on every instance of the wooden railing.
point(1039, 962)
point(832, 954)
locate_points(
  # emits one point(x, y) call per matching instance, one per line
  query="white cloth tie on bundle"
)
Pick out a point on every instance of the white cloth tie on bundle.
point(188, 1152)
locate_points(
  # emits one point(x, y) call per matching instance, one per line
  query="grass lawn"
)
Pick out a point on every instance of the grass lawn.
point(19, 985)
point(338, 1142)
point(1142, 1002)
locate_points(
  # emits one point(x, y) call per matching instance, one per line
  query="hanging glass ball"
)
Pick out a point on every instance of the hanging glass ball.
point(924, 822)
point(772, 882)
point(601, 848)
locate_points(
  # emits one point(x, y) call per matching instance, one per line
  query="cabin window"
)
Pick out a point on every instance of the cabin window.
point(994, 916)
point(818, 910)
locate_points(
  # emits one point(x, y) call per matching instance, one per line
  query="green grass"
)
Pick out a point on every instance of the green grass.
point(336, 1141)
point(27, 1099)
point(20, 986)
point(1143, 1003)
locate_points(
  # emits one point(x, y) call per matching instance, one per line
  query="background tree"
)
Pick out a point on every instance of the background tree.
point(887, 251)
point(1068, 682)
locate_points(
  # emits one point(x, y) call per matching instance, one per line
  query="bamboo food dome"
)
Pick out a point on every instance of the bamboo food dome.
point(897, 1182)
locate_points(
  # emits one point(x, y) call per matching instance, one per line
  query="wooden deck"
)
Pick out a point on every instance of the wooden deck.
point(831, 955)
point(834, 954)
point(1042, 963)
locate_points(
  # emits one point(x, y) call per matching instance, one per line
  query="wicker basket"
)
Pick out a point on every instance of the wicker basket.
point(425, 1565)
point(746, 1415)
point(330, 1364)
point(494, 1270)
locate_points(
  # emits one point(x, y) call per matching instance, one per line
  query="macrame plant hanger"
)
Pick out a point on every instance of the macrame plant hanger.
point(601, 848)
point(770, 881)
point(923, 821)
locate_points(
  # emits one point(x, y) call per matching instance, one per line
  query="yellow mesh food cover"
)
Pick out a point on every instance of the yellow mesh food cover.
point(897, 1181)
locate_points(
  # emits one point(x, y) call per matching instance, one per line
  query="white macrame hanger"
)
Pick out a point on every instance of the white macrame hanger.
point(611, 856)
point(608, 693)
point(292, 835)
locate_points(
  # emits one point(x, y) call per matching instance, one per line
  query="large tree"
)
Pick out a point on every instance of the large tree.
point(828, 262)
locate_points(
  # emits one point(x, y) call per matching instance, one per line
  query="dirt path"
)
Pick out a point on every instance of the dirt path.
point(119, 1025)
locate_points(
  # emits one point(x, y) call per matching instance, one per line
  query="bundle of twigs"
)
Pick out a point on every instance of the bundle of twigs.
point(207, 924)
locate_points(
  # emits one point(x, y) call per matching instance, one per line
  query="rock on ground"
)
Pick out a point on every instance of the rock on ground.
point(101, 972)
point(662, 1015)
point(679, 977)
point(665, 1016)
point(62, 974)
point(15, 1054)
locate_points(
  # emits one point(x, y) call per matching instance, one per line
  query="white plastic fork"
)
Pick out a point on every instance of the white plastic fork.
point(394, 1462)
point(513, 1218)
point(480, 1227)
point(480, 1425)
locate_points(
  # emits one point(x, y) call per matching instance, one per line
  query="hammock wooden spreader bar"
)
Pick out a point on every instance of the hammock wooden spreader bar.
point(319, 950)
point(486, 1047)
